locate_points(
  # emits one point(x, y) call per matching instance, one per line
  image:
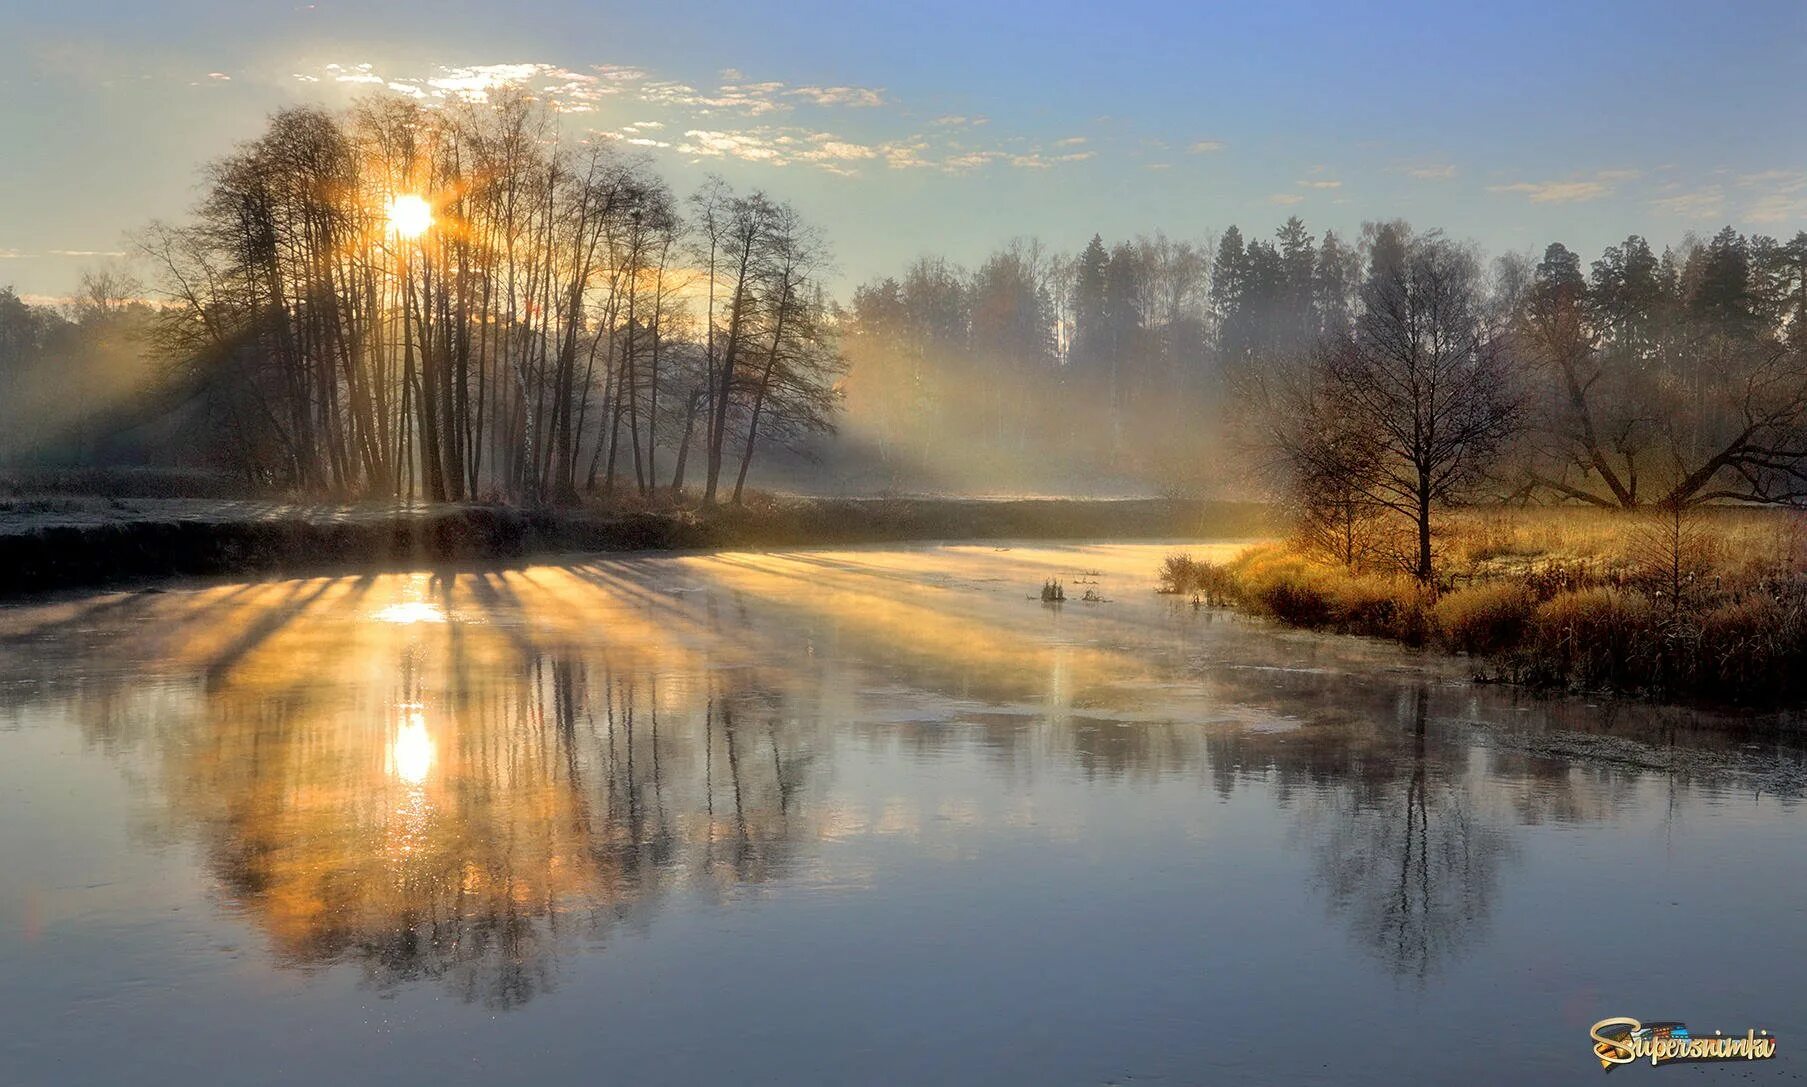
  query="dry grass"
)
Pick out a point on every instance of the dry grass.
point(1711, 607)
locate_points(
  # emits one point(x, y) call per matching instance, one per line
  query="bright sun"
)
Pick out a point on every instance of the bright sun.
point(409, 216)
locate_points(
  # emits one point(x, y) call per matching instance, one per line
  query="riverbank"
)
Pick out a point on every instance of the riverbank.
point(1708, 607)
point(49, 542)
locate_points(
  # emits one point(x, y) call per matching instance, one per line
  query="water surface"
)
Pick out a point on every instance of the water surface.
point(856, 816)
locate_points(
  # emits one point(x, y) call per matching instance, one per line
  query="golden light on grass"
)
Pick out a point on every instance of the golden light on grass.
point(410, 216)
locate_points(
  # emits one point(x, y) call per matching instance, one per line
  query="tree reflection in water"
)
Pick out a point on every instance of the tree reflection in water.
point(463, 777)
point(1405, 856)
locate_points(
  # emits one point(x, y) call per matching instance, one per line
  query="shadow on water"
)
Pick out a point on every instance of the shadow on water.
point(466, 776)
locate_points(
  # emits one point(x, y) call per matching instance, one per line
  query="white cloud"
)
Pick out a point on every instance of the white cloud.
point(703, 115)
point(741, 145)
point(1707, 203)
point(1286, 199)
point(1555, 192)
point(1204, 147)
point(1432, 171)
point(473, 84)
point(971, 160)
point(1572, 190)
point(855, 97)
point(1324, 184)
point(1783, 199)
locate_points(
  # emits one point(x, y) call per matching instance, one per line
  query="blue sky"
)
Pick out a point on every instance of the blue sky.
point(949, 128)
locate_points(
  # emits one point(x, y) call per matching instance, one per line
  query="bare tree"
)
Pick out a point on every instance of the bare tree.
point(1416, 402)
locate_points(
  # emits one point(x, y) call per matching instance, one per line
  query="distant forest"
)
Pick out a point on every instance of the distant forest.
point(553, 322)
point(1157, 361)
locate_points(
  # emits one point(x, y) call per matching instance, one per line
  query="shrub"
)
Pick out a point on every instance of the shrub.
point(1181, 574)
point(1486, 619)
point(1753, 649)
point(1380, 606)
point(1187, 576)
point(1709, 606)
point(1592, 638)
point(1295, 599)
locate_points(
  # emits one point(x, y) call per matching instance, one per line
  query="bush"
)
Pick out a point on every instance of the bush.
point(1184, 575)
point(1274, 582)
point(1294, 600)
point(1485, 619)
point(1181, 574)
point(1593, 638)
point(1561, 599)
point(1382, 607)
point(1753, 649)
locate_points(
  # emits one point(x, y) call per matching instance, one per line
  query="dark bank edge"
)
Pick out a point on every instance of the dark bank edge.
point(141, 549)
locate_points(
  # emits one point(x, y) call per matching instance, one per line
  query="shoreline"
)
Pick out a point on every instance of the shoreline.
point(109, 543)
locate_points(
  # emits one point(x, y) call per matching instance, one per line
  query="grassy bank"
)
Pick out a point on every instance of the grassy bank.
point(52, 542)
point(1709, 607)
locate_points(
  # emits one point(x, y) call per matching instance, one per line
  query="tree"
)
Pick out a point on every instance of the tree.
point(1673, 382)
point(1419, 392)
point(536, 323)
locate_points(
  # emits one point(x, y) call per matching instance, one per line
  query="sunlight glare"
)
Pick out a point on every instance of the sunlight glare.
point(411, 752)
point(409, 216)
point(408, 612)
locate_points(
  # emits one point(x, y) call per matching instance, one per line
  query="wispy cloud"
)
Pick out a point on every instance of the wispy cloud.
point(1778, 195)
point(1555, 192)
point(1322, 183)
point(1205, 147)
point(1286, 199)
point(1704, 203)
point(1431, 171)
point(715, 122)
point(853, 97)
point(1572, 190)
point(578, 91)
point(750, 146)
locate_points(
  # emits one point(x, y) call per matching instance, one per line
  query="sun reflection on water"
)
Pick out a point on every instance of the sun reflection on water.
point(407, 612)
point(410, 755)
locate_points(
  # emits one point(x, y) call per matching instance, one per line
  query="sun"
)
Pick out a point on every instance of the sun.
point(409, 216)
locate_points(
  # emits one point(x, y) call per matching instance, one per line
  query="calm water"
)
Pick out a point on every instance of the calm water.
point(862, 816)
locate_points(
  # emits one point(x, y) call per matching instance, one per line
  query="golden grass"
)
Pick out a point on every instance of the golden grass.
point(1569, 598)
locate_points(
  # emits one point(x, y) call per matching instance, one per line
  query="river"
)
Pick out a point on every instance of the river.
point(872, 815)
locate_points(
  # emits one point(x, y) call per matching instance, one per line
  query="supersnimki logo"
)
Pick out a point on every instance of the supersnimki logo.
point(1623, 1040)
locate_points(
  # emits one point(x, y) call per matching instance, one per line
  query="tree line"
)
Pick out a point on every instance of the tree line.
point(1367, 381)
point(565, 324)
point(1647, 381)
point(457, 303)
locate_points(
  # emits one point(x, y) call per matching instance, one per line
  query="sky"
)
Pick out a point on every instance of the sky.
point(950, 128)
